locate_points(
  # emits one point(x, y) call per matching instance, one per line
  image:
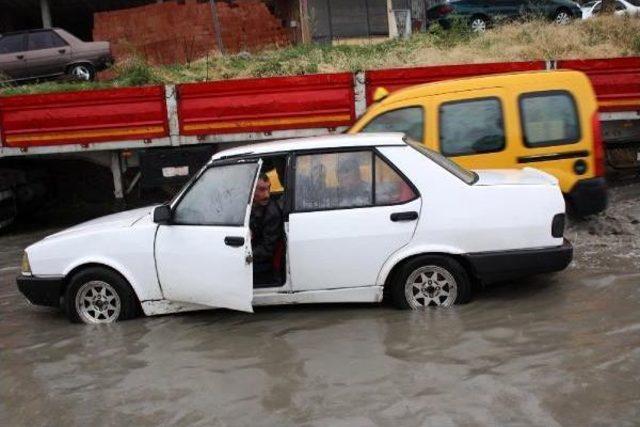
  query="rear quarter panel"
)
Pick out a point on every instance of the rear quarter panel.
point(457, 218)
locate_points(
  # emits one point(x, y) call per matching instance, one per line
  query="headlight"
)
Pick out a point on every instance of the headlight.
point(26, 267)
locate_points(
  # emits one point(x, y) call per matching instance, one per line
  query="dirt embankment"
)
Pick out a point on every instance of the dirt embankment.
point(610, 240)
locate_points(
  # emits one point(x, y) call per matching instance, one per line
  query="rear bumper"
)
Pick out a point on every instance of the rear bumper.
point(41, 291)
point(588, 197)
point(506, 265)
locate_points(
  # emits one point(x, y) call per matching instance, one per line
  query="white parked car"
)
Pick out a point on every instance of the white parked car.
point(622, 7)
point(364, 216)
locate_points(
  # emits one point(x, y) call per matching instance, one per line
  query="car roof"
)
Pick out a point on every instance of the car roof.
point(478, 82)
point(321, 142)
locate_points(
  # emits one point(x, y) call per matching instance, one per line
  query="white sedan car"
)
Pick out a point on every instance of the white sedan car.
point(363, 216)
point(622, 7)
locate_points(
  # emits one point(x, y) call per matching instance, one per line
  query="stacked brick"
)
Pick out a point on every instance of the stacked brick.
point(170, 32)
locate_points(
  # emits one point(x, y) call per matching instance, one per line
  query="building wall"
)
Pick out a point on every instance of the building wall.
point(167, 33)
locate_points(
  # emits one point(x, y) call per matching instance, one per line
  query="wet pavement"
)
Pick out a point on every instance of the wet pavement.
point(562, 349)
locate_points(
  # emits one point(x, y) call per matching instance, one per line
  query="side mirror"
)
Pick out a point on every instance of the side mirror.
point(162, 214)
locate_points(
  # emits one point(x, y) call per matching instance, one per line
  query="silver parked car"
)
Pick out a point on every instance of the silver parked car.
point(50, 53)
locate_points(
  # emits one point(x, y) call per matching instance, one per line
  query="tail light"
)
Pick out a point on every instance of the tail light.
point(557, 225)
point(598, 145)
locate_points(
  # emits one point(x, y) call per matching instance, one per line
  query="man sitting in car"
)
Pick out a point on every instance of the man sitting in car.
point(266, 231)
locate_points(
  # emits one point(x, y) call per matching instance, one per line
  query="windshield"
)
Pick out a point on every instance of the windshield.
point(467, 176)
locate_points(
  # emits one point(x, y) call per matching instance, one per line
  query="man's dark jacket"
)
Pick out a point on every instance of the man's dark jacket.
point(266, 231)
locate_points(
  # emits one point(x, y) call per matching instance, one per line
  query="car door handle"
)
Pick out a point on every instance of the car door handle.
point(404, 216)
point(62, 50)
point(234, 241)
point(20, 56)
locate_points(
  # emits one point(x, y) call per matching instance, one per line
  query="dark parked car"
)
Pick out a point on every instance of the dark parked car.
point(481, 14)
point(49, 53)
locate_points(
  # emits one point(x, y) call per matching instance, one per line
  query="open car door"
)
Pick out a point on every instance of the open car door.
point(203, 256)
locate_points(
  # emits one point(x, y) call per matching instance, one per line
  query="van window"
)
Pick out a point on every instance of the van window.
point(408, 120)
point(549, 118)
point(471, 127)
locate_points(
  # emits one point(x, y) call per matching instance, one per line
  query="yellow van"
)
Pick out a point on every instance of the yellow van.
point(547, 120)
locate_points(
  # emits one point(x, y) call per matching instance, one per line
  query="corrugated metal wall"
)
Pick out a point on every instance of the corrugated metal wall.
point(335, 19)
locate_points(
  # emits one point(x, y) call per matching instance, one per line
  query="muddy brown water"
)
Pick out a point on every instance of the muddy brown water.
point(560, 349)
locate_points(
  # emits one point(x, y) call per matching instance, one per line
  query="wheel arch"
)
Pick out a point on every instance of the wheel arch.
point(393, 269)
point(486, 18)
point(68, 275)
point(562, 9)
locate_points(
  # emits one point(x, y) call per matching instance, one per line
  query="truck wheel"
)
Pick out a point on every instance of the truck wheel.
point(99, 295)
point(431, 281)
point(82, 72)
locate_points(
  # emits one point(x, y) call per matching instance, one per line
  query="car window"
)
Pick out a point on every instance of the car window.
point(549, 118)
point(390, 187)
point(334, 180)
point(471, 127)
point(598, 8)
point(44, 40)
point(408, 120)
point(467, 176)
point(634, 2)
point(620, 6)
point(220, 196)
point(12, 44)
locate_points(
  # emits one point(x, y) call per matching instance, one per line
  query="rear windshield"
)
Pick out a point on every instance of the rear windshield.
point(467, 176)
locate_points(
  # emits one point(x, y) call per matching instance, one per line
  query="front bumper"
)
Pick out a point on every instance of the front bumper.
point(588, 197)
point(505, 265)
point(41, 290)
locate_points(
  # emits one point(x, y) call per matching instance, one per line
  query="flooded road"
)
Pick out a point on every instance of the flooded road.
point(554, 350)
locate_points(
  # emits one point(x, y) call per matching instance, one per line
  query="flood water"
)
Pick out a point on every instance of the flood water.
point(555, 350)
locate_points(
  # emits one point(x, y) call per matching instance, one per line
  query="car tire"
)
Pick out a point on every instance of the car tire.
point(82, 72)
point(430, 281)
point(99, 295)
point(562, 16)
point(479, 24)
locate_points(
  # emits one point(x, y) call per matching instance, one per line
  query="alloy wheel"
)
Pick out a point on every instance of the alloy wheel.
point(430, 286)
point(562, 18)
point(81, 72)
point(478, 25)
point(98, 302)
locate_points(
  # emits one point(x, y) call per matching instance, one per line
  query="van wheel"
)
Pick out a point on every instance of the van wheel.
point(431, 281)
point(82, 72)
point(99, 295)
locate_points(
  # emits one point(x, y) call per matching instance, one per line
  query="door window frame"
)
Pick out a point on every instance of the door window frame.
point(373, 151)
point(51, 33)
point(181, 195)
point(540, 94)
point(468, 100)
point(24, 43)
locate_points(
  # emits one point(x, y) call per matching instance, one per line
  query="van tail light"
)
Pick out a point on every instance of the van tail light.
point(598, 144)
